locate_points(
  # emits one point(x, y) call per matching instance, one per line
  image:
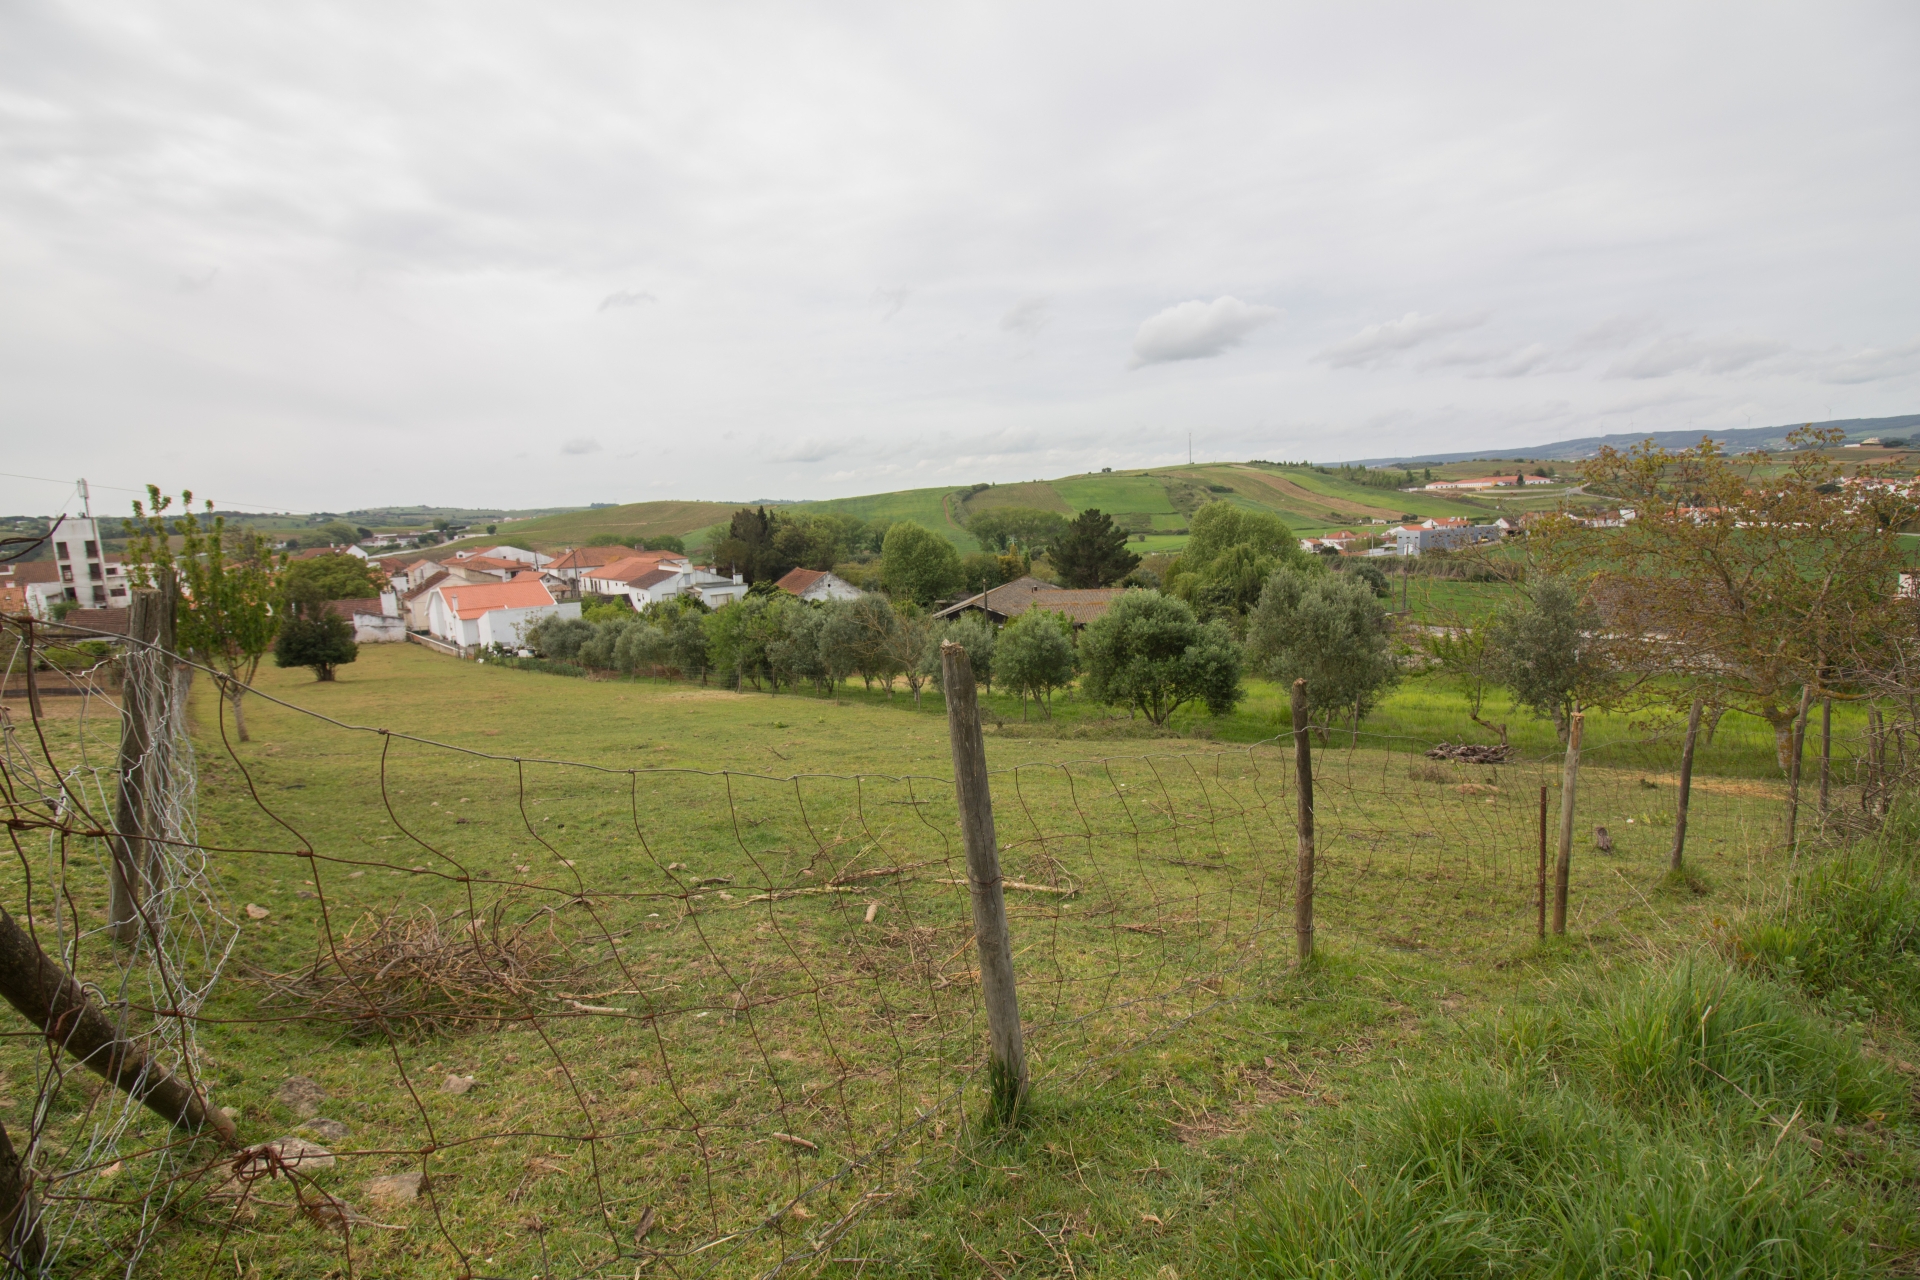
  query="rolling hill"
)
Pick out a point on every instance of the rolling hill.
point(1738, 439)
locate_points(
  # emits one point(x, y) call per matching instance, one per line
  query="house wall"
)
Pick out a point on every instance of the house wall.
point(509, 627)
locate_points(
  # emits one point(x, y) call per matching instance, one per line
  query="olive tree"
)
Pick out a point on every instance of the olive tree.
point(1149, 653)
point(1035, 656)
point(1329, 630)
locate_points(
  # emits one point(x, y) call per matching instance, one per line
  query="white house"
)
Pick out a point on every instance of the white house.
point(818, 584)
point(653, 576)
point(376, 620)
point(476, 617)
point(532, 559)
point(81, 573)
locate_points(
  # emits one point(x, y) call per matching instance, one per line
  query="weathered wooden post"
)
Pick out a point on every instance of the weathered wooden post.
point(1303, 867)
point(1686, 786)
point(1541, 900)
point(1007, 1067)
point(1798, 745)
point(1568, 781)
point(143, 774)
point(1826, 750)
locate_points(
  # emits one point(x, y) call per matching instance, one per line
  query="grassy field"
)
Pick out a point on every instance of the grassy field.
point(789, 1074)
point(936, 509)
point(635, 520)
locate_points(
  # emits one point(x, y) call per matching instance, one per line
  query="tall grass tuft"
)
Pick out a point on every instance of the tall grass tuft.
point(1850, 936)
point(1487, 1180)
point(1700, 1035)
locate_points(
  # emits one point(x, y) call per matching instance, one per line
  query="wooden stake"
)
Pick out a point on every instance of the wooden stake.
point(1542, 896)
point(1798, 744)
point(33, 683)
point(1564, 867)
point(46, 994)
point(1686, 786)
point(1826, 750)
point(1303, 869)
point(1007, 1068)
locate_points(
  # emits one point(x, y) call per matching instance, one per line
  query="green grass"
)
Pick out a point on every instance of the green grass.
point(1149, 1143)
point(936, 509)
point(1116, 494)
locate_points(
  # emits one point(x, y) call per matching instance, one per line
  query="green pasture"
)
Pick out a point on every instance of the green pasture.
point(1116, 494)
point(928, 507)
point(783, 1076)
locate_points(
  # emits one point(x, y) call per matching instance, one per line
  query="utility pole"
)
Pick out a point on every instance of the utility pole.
point(1189, 448)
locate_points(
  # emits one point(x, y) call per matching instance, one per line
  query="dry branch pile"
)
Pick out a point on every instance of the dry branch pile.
point(1471, 753)
point(416, 974)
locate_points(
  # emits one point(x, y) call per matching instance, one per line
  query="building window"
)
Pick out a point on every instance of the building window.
point(94, 571)
point(117, 591)
point(66, 573)
point(93, 550)
point(60, 550)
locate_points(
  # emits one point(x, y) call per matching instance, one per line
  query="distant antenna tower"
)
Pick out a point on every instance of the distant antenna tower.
point(86, 498)
point(1189, 449)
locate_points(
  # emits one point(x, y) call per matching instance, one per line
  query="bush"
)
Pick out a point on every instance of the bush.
point(1150, 653)
point(1035, 656)
point(322, 640)
point(1329, 631)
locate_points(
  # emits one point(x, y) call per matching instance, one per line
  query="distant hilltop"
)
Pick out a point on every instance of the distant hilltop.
point(1738, 440)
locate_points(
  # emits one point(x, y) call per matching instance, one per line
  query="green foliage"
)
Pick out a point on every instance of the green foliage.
point(765, 545)
point(306, 583)
point(1478, 1180)
point(607, 540)
point(1695, 1036)
point(919, 565)
point(1034, 656)
point(606, 609)
point(1028, 528)
point(1371, 575)
point(1150, 653)
point(230, 597)
point(319, 638)
point(664, 542)
point(976, 634)
point(1329, 630)
point(1544, 653)
point(746, 640)
point(1850, 934)
point(1092, 552)
point(1230, 556)
point(338, 532)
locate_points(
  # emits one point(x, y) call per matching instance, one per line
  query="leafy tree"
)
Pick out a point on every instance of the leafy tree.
point(1229, 558)
point(1028, 528)
point(1547, 654)
point(873, 628)
point(1462, 654)
point(337, 531)
point(609, 540)
point(641, 647)
point(317, 638)
point(307, 583)
point(908, 645)
point(492, 527)
point(1329, 630)
point(1150, 653)
point(1092, 552)
point(983, 570)
point(1762, 577)
point(743, 637)
point(230, 599)
point(918, 564)
point(974, 632)
point(1371, 575)
point(664, 542)
point(1035, 656)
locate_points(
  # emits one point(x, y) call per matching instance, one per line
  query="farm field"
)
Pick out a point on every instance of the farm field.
point(696, 1020)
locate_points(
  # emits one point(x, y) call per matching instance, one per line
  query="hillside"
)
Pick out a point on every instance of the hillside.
point(1738, 439)
point(629, 520)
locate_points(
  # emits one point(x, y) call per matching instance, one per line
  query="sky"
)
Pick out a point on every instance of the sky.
point(330, 256)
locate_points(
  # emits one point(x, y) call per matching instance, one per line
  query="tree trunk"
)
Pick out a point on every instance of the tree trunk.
point(22, 1241)
point(235, 692)
point(1686, 786)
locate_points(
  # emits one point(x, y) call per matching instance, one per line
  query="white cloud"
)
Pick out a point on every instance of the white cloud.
point(1874, 363)
point(626, 298)
point(1197, 330)
point(581, 444)
point(1378, 344)
point(1027, 317)
point(1682, 354)
point(815, 449)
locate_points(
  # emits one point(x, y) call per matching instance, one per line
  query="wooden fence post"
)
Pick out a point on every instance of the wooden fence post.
point(1686, 786)
point(1797, 745)
point(1542, 897)
point(1303, 867)
point(1007, 1068)
point(47, 995)
point(147, 686)
point(1826, 750)
point(1564, 867)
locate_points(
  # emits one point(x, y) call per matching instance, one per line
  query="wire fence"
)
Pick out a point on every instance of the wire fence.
point(492, 1014)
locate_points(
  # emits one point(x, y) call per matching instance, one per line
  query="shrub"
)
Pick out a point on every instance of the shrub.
point(322, 641)
point(1150, 653)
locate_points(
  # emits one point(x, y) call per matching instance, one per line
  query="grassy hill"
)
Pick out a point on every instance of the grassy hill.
point(630, 520)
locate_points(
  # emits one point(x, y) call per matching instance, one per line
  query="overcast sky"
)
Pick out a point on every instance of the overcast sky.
point(324, 256)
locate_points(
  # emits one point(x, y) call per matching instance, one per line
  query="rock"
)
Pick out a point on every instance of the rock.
point(456, 1085)
point(395, 1188)
point(302, 1096)
point(302, 1156)
point(257, 912)
point(327, 1130)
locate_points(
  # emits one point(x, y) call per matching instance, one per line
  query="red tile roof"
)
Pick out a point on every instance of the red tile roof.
point(469, 601)
point(591, 557)
point(347, 608)
point(632, 566)
point(798, 580)
point(439, 576)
